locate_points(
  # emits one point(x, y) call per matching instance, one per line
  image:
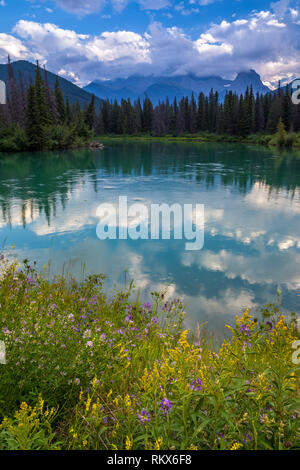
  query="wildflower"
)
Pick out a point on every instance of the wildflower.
point(196, 385)
point(40, 404)
point(128, 444)
point(88, 403)
point(95, 382)
point(158, 443)
point(77, 381)
point(154, 320)
point(147, 306)
point(127, 401)
point(236, 446)
point(90, 344)
point(166, 406)
point(93, 300)
point(144, 417)
point(244, 330)
point(84, 443)
point(247, 438)
point(71, 317)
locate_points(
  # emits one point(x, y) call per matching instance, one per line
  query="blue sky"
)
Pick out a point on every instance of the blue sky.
point(85, 40)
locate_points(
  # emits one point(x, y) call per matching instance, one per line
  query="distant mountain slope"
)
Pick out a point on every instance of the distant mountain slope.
point(158, 88)
point(244, 79)
point(27, 69)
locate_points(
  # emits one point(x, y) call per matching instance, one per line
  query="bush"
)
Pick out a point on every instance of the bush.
point(12, 139)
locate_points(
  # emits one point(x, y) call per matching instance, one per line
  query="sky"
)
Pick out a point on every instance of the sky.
point(86, 40)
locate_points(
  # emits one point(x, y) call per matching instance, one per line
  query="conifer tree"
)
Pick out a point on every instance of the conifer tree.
point(60, 102)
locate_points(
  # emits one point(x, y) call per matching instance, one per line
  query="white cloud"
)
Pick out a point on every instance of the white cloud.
point(9, 45)
point(265, 41)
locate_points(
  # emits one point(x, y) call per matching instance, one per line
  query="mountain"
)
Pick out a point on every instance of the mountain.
point(158, 88)
point(244, 79)
point(27, 69)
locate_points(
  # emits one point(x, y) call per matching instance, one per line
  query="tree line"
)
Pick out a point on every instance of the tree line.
point(37, 117)
point(236, 115)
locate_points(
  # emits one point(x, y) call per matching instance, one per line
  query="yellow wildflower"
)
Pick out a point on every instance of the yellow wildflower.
point(128, 444)
point(158, 443)
point(236, 446)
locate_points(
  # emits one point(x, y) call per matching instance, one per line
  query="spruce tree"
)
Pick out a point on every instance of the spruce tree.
point(60, 102)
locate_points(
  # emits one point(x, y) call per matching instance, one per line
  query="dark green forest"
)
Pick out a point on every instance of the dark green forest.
point(37, 117)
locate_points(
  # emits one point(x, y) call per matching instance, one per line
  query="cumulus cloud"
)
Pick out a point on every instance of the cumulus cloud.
point(9, 45)
point(267, 41)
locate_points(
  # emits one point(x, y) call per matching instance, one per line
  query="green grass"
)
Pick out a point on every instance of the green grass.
point(293, 140)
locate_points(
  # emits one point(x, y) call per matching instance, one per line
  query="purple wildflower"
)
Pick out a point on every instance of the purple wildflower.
point(144, 417)
point(166, 406)
point(244, 330)
point(196, 385)
point(147, 306)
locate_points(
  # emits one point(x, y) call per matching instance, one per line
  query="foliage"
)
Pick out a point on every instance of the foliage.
point(124, 375)
point(39, 118)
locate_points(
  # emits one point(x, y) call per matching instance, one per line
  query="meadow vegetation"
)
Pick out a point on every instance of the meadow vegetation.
point(85, 370)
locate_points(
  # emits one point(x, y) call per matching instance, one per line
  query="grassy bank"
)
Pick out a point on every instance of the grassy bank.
point(86, 371)
point(289, 141)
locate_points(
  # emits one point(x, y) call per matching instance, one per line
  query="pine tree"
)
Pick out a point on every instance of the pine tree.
point(50, 98)
point(41, 99)
point(90, 114)
point(32, 125)
point(60, 102)
point(287, 109)
point(281, 134)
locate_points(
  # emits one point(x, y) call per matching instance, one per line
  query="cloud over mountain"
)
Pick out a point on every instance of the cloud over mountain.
point(267, 41)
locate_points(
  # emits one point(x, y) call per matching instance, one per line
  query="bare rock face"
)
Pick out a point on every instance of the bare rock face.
point(96, 145)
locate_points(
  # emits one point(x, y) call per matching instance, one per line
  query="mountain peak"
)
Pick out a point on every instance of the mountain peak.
point(246, 79)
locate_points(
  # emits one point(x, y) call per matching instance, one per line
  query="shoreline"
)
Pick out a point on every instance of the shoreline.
point(263, 140)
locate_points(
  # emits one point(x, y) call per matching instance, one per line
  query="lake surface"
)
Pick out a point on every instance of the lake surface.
point(48, 204)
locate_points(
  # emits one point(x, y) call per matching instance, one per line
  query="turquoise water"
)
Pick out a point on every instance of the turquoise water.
point(48, 205)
